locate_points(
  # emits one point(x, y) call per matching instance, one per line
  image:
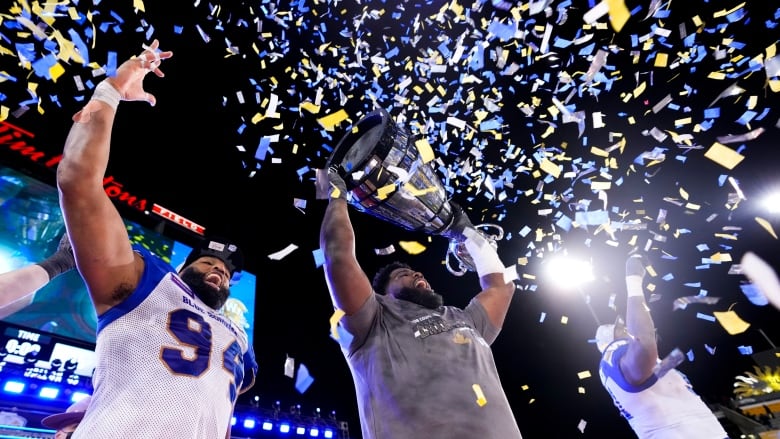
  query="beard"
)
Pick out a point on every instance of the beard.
point(212, 297)
point(420, 296)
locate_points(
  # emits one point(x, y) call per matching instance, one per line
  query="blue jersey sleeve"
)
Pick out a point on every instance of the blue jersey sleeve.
point(610, 367)
point(250, 370)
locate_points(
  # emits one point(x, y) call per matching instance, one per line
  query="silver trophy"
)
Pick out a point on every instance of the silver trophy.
point(383, 170)
point(457, 249)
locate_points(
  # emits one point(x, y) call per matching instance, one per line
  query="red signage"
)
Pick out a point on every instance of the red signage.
point(178, 219)
point(19, 140)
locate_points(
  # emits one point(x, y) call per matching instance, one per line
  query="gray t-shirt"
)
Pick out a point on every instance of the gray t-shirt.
point(416, 370)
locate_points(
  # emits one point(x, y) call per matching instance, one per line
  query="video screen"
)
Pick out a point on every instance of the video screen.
point(31, 224)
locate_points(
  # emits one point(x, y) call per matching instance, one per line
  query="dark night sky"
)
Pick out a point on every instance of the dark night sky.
point(233, 62)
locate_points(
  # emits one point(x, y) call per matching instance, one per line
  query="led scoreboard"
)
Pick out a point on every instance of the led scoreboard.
point(36, 365)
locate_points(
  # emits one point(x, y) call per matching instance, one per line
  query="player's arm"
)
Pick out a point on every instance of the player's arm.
point(347, 282)
point(642, 353)
point(100, 242)
point(18, 287)
point(496, 294)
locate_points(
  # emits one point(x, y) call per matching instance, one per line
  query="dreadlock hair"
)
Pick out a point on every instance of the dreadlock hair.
point(382, 276)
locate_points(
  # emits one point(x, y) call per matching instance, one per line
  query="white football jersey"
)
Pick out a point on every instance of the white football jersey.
point(660, 408)
point(168, 365)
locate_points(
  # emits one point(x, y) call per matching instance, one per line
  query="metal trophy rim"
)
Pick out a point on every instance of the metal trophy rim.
point(354, 132)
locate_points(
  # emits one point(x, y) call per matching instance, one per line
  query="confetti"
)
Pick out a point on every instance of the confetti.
point(412, 247)
point(723, 155)
point(763, 278)
point(731, 322)
point(481, 401)
point(289, 367)
point(302, 379)
point(683, 302)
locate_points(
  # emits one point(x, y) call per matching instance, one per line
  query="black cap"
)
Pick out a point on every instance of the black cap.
point(73, 415)
point(221, 249)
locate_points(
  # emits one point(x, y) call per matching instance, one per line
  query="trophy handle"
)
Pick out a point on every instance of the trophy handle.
point(498, 236)
point(457, 249)
point(452, 254)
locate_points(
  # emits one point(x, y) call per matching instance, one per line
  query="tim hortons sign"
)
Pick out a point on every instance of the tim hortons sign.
point(20, 141)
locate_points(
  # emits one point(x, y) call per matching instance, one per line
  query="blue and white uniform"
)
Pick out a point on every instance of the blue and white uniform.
point(659, 408)
point(168, 365)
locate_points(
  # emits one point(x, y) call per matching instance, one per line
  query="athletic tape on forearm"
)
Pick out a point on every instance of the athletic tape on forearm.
point(483, 254)
point(106, 92)
point(634, 286)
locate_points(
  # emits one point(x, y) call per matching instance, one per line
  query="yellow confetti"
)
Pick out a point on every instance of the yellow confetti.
point(651, 271)
point(640, 89)
point(330, 121)
point(723, 12)
point(481, 401)
point(412, 247)
point(598, 151)
point(661, 60)
point(721, 257)
point(335, 192)
point(334, 321)
point(550, 168)
point(67, 49)
point(426, 152)
point(564, 320)
point(584, 374)
point(310, 107)
point(408, 187)
point(139, 4)
point(56, 71)
point(723, 155)
point(767, 226)
point(550, 129)
point(731, 322)
point(618, 14)
point(384, 191)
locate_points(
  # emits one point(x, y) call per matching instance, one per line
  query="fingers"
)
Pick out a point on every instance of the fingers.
point(322, 186)
point(151, 58)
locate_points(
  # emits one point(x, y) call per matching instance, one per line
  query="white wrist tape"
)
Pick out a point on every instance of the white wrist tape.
point(634, 286)
point(485, 257)
point(106, 92)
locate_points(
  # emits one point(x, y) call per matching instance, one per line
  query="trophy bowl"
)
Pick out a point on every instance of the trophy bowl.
point(386, 176)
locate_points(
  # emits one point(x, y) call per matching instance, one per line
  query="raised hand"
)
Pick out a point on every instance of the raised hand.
point(635, 273)
point(127, 84)
point(129, 77)
point(60, 261)
point(329, 185)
